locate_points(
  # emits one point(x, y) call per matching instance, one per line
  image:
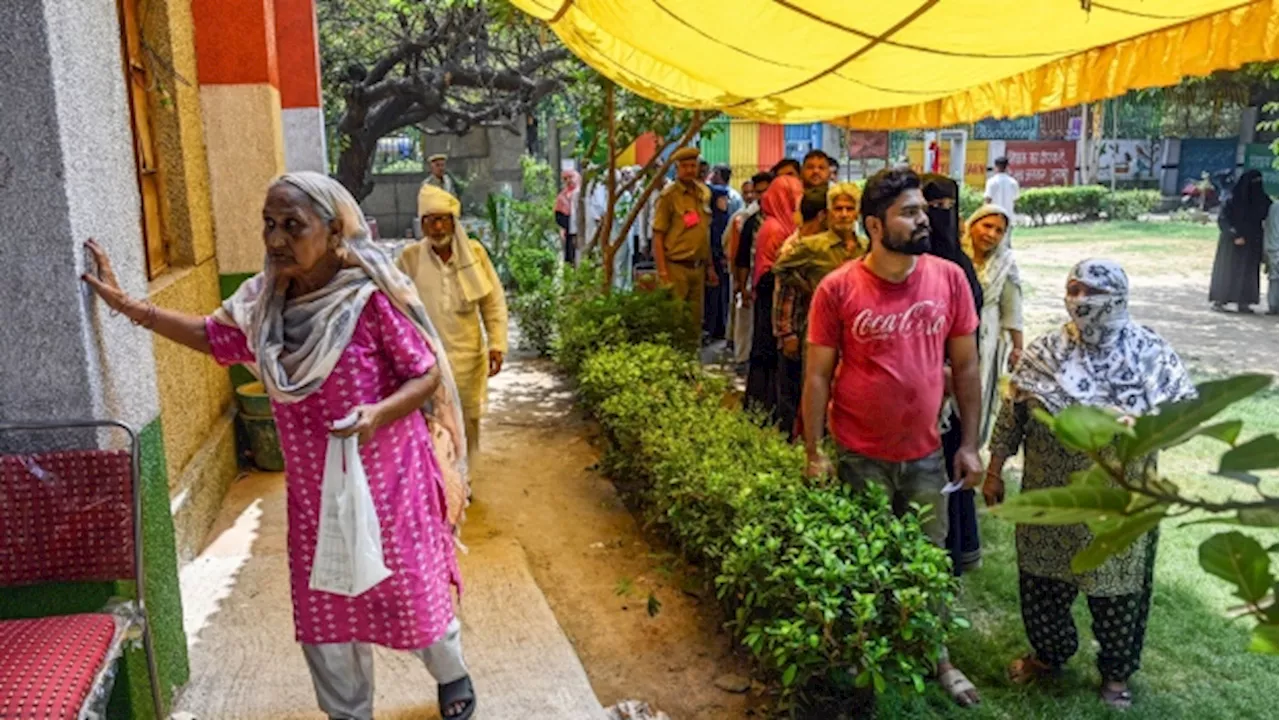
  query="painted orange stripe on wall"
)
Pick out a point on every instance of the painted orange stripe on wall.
point(298, 53)
point(772, 145)
point(235, 42)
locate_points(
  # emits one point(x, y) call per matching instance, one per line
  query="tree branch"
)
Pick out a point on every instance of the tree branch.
point(699, 120)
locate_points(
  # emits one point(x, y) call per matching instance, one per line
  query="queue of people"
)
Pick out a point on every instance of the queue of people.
point(897, 345)
point(894, 344)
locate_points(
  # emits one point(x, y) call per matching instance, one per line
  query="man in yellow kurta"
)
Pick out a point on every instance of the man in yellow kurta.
point(464, 299)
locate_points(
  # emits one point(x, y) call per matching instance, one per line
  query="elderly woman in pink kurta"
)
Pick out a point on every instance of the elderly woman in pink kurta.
point(332, 328)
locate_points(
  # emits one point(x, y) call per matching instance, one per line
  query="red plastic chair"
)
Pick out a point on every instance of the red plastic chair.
point(70, 516)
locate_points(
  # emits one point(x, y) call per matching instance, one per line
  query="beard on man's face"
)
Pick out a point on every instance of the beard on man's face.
point(916, 243)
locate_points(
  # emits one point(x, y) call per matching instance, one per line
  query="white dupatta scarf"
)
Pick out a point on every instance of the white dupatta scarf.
point(298, 342)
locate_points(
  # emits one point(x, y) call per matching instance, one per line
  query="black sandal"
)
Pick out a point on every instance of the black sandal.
point(458, 691)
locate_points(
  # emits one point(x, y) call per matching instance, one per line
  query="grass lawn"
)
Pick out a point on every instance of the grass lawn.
point(1194, 664)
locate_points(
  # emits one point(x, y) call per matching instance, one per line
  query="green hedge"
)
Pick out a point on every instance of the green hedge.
point(832, 594)
point(1130, 204)
point(590, 320)
point(1085, 202)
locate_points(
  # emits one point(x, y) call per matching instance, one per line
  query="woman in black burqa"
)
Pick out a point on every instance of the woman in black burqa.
point(943, 195)
point(1239, 257)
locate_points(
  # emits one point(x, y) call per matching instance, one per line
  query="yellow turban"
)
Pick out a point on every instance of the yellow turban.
point(844, 189)
point(435, 201)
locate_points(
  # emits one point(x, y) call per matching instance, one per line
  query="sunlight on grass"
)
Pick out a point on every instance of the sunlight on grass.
point(1092, 232)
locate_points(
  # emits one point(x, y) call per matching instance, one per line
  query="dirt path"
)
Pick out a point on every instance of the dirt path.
point(534, 482)
point(1170, 282)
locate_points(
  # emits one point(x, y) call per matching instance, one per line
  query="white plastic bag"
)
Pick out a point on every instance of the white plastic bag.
point(348, 559)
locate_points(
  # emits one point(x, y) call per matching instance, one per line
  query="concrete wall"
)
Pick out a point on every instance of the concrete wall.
point(195, 394)
point(485, 160)
point(67, 173)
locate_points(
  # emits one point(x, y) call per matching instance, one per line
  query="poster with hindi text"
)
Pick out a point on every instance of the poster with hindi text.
point(1042, 163)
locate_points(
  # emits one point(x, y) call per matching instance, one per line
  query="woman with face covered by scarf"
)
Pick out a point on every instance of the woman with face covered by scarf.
point(1240, 244)
point(963, 542)
point(1099, 358)
point(333, 329)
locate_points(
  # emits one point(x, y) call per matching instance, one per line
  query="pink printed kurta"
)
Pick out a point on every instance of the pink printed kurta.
point(410, 609)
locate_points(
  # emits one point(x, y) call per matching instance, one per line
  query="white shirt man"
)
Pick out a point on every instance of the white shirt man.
point(1002, 189)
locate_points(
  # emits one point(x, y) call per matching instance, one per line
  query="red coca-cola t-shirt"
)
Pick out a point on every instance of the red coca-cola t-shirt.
point(892, 341)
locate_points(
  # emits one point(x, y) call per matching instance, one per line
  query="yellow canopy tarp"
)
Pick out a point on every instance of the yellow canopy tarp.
point(880, 64)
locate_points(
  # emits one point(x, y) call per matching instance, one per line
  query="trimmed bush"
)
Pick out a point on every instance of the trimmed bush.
point(834, 596)
point(592, 320)
point(1131, 204)
point(535, 294)
point(1069, 204)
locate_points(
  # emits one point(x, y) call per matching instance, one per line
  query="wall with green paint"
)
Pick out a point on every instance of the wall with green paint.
point(131, 699)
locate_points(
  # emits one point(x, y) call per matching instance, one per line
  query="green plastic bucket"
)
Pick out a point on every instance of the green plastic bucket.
point(264, 442)
point(252, 400)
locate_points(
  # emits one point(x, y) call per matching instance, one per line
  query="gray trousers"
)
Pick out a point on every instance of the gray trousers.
point(343, 672)
point(915, 481)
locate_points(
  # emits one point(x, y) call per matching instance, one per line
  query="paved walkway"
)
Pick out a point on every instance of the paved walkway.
point(246, 665)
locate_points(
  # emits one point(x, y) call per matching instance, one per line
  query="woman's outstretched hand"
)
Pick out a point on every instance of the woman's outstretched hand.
point(104, 282)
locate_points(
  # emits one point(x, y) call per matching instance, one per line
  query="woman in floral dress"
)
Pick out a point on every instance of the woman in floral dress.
point(333, 329)
point(1104, 359)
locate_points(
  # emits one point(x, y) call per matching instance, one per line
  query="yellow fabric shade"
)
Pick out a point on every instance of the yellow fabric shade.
point(880, 65)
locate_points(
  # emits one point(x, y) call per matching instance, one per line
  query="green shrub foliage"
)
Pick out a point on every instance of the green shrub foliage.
point(834, 595)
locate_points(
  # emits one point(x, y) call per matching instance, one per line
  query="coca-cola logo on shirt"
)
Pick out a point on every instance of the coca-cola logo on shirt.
point(926, 317)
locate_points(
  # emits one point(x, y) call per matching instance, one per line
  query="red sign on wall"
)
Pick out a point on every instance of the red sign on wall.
point(1037, 164)
point(868, 145)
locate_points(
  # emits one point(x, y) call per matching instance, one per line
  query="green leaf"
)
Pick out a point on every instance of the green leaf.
point(1096, 476)
point(1241, 561)
point(1117, 539)
point(1178, 422)
point(1260, 453)
point(1265, 639)
point(1086, 428)
point(1064, 505)
point(789, 675)
point(1228, 432)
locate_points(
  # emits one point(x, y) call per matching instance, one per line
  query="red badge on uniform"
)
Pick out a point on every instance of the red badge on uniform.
point(690, 219)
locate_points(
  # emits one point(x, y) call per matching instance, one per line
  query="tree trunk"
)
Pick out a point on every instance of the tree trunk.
point(605, 231)
point(354, 166)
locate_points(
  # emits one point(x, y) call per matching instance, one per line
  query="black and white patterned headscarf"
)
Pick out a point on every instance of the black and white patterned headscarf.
point(1101, 357)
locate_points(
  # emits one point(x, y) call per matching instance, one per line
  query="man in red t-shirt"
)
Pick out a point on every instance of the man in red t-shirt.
point(883, 328)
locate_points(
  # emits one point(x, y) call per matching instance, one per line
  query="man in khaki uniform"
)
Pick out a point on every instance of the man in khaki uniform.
point(682, 234)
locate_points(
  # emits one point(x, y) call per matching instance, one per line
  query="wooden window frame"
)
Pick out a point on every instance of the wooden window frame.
point(138, 79)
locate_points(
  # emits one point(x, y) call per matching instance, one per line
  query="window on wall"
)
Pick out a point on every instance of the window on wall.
point(139, 81)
